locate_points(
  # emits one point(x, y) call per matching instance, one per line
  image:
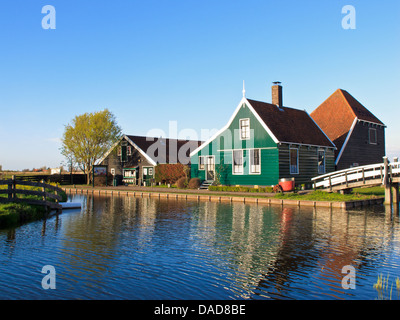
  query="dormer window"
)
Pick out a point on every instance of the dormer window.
point(244, 126)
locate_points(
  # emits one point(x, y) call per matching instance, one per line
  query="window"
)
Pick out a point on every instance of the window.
point(119, 151)
point(201, 163)
point(255, 166)
point(294, 161)
point(321, 161)
point(372, 136)
point(128, 150)
point(237, 161)
point(244, 125)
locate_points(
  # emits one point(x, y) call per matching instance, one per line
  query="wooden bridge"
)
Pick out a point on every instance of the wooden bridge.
point(381, 174)
point(44, 194)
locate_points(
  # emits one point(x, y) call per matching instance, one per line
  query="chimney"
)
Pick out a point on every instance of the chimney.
point(277, 94)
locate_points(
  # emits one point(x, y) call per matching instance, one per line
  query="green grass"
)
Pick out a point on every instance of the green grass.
point(24, 196)
point(324, 196)
point(241, 189)
point(14, 214)
point(377, 191)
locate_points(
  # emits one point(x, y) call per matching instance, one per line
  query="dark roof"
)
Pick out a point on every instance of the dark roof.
point(290, 125)
point(336, 115)
point(158, 149)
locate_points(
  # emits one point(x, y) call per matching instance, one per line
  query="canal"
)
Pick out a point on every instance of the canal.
point(145, 248)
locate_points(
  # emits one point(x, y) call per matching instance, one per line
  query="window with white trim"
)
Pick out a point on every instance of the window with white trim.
point(321, 161)
point(372, 136)
point(255, 162)
point(128, 150)
point(237, 156)
point(294, 160)
point(201, 163)
point(244, 126)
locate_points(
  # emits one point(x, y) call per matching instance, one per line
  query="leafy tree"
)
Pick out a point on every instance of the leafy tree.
point(88, 137)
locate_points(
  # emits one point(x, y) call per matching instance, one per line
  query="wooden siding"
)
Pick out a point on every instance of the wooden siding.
point(135, 159)
point(359, 150)
point(228, 140)
point(308, 163)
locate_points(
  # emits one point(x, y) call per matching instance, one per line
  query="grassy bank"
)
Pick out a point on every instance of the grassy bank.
point(357, 194)
point(241, 189)
point(15, 214)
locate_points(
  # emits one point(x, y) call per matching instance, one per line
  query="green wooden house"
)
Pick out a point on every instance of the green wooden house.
point(263, 143)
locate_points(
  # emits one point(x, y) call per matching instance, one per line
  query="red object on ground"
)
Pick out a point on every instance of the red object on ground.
point(286, 184)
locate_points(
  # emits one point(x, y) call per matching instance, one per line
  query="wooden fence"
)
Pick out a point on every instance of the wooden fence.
point(13, 193)
point(64, 179)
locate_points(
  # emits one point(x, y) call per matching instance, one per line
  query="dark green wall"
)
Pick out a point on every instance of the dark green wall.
point(223, 145)
point(308, 163)
point(274, 157)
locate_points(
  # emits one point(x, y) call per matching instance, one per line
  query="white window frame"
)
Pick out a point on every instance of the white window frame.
point(203, 165)
point(247, 136)
point(369, 135)
point(233, 162)
point(129, 150)
point(290, 159)
point(251, 157)
point(321, 171)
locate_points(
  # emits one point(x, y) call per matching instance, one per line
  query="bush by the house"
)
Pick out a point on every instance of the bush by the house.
point(194, 183)
point(181, 183)
point(170, 173)
point(240, 189)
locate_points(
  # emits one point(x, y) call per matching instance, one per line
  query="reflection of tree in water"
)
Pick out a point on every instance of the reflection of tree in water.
point(90, 240)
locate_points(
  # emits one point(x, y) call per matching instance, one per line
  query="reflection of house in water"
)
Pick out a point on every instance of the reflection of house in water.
point(246, 235)
point(331, 240)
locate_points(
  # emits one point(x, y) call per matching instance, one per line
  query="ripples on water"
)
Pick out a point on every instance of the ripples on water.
point(141, 248)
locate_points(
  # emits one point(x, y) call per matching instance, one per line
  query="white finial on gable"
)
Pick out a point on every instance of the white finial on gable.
point(244, 90)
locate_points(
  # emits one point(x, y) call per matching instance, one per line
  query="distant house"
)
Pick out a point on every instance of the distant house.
point(55, 170)
point(262, 143)
point(134, 158)
point(358, 135)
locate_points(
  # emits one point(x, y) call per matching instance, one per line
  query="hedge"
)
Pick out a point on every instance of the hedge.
point(170, 173)
point(241, 189)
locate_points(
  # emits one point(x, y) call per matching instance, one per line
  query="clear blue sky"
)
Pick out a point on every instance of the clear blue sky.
point(155, 61)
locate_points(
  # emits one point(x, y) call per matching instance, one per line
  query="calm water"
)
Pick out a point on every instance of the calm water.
point(141, 248)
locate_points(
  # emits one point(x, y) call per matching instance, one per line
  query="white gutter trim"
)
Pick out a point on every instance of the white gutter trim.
point(347, 140)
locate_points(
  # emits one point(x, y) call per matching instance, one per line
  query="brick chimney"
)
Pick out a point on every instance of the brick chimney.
point(277, 94)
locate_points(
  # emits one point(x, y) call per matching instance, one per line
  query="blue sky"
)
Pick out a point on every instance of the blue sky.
point(152, 62)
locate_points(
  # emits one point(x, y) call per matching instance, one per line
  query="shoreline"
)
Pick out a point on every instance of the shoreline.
point(218, 196)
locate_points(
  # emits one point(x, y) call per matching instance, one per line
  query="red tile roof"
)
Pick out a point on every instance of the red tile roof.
point(336, 114)
point(290, 125)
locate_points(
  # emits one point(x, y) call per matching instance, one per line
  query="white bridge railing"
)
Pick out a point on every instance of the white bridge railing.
point(357, 174)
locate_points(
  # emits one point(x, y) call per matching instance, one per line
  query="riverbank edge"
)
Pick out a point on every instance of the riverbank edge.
point(219, 196)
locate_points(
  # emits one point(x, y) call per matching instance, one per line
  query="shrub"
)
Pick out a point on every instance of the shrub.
point(194, 183)
point(169, 173)
point(240, 189)
point(181, 183)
